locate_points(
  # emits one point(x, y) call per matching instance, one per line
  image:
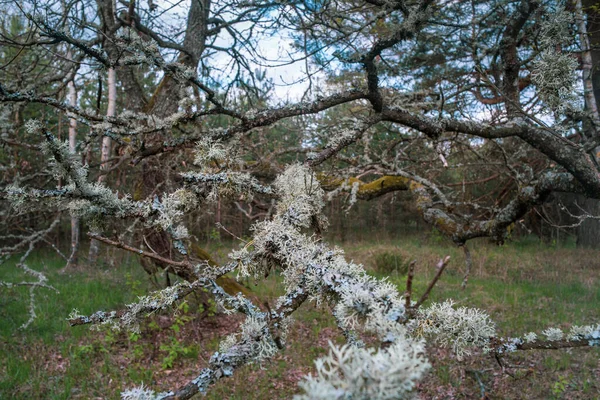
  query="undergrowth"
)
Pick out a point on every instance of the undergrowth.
point(525, 286)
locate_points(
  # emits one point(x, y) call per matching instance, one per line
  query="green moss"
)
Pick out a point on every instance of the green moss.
point(367, 190)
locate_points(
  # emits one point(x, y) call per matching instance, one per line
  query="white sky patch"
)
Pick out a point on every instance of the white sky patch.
point(290, 80)
point(282, 63)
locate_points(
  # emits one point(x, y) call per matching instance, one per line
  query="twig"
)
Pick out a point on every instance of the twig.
point(120, 245)
point(220, 225)
point(469, 262)
point(30, 242)
point(502, 346)
point(440, 269)
point(236, 355)
point(477, 375)
point(409, 280)
point(100, 317)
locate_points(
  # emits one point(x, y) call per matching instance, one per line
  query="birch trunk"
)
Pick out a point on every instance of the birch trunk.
point(105, 152)
point(73, 148)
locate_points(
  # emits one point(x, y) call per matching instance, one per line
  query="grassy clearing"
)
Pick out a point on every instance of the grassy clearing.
point(524, 286)
point(44, 360)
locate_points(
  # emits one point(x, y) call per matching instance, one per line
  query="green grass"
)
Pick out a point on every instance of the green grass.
point(31, 354)
point(524, 286)
point(86, 290)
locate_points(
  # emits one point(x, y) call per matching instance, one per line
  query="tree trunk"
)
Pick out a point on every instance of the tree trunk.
point(587, 64)
point(105, 153)
point(73, 148)
point(163, 103)
point(165, 99)
point(588, 233)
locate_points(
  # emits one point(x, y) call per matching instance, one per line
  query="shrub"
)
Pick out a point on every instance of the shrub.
point(391, 262)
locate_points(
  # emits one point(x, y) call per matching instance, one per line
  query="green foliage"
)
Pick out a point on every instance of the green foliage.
point(560, 386)
point(215, 234)
point(137, 350)
point(84, 350)
point(24, 369)
point(134, 284)
point(391, 263)
point(175, 348)
point(436, 237)
point(181, 316)
point(527, 286)
point(208, 307)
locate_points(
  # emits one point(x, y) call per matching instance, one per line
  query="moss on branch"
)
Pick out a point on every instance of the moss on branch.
point(367, 190)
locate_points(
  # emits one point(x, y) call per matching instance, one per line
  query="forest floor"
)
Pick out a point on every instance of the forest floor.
point(524, 286)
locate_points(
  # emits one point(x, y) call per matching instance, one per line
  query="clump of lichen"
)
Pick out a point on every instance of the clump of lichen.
point(554, 71)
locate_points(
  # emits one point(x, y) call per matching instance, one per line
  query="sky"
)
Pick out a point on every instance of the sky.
point(289, 79)
point(289, 82)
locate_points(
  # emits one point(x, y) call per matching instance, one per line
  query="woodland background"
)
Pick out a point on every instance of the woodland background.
point(461, 129)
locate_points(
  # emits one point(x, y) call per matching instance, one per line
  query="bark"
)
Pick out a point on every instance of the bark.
point(455, 226)
point(593, 28)
point(587, 64)
point(511, 63)
point(588, 233)
point(73, 148)
point(110, 112)
point(567, 154)
point(133, 99)
point(165, 99)
point(105, 152)
point(165, 102)
point(370, 190)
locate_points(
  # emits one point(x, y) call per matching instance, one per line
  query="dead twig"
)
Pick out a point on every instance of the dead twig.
point(469, 263)
point(409, 280)
point(182, 264)
point(440, 269)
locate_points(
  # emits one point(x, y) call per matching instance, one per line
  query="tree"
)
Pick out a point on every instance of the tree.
point(419, 96)
point(589, 228)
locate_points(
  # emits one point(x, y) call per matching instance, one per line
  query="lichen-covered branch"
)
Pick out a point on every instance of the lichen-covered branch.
point(159, 300)
point(578, 336)
point(367, 190)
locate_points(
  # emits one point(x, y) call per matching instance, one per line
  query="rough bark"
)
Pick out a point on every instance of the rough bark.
point(166, 97)
point(511, 64)
point(588, 233)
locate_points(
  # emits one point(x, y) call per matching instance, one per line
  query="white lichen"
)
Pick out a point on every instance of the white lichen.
point(578, 332)
point(459, 328)
point(554, 72)
point(357, 373)
point(553, 334)
point(530, 337)
point(171, 210)
point(254, 332)
point(143, 393)
point(211, 150)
